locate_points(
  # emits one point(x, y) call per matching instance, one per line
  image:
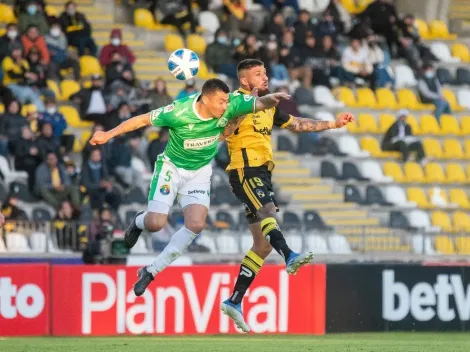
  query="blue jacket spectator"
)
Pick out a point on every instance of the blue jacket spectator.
point(55, 118)
point(327, 27)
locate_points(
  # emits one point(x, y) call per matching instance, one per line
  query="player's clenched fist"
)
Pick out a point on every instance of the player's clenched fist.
point(344, 119)
point(99, 137)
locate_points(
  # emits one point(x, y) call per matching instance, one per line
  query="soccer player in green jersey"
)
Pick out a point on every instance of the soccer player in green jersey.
point(184, 171)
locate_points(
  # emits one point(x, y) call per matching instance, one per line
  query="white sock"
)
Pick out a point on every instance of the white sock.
point(173, 250)
point(139, 220)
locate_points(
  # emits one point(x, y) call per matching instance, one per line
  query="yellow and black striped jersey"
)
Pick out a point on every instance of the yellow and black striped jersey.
point(250, 144)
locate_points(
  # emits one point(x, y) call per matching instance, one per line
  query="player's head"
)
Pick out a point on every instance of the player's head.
point(252, 74)
point(214, 96)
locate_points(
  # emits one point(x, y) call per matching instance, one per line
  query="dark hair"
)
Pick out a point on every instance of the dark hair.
point(11, 24)
point(32, 26)
point(213, 85)
point(70, 3)
point(249, 63)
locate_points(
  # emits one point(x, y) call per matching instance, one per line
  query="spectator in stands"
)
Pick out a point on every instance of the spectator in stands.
point(72, 170)
point(279, 4)
point(382, 73)
point(121, 114)
point(275, 25)
point(16, 72)
point(77, 29)
point(328, 52)
point(177, 13)
point(33, 40)
point(53, 183)
point(7, 40)
point(236, 17)
point(21, 6)
point(38, 83)
point(189, 89)
point(278, 73)
point(159, 94)
point(118, 69)
point(27, 155)
point(326, 27)
point(45, 141)
point(120, 163)
point(302, 27)
point(87, 149)
point(65, 228)
point(157, 146)
point(410, 43)
point(288, 106)
point(58, 122)
point(140, 98)
point(11, 211)
point(32, 117)
point(430, 90)
point(341, 16)
point(313, 59)
point(92, 101)
point(96, 179)
point(291, 57)
point(115, 46)
point(11, 122)
point(120, 94)
point(399, 137)
point(382, 16)
point(356, 64)
point(250, 49)
point(33, 17)
point(219, 55)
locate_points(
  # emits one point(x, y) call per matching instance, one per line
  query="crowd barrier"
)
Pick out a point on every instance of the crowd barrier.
point(78, 300)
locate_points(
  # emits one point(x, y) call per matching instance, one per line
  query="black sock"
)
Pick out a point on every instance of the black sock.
point(250, 266)
point(273, 234)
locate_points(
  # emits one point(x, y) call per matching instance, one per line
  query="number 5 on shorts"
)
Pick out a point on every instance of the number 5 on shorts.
point(255, 182)
point(168, 176)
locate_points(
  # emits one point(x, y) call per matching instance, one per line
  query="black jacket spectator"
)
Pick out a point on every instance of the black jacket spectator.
point(27, 155)
point(11, 122)
point(303, 26)
point(11, 211)
point(10, 38)
point(275, 25)
point(341, 16)
point(93, 109)
point(157, 146)
point(219, 53)
point(383, 18)
point(45, 141)
point(77, 29)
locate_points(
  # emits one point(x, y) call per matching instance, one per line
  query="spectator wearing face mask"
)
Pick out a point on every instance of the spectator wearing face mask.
point(56, 119)
point(77, 29)
point(9, 39)
point(115, 45)
point(219, 55)
point(33, 17)
point(430, 90)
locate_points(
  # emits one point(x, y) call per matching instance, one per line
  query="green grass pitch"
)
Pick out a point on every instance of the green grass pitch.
point(370, 342)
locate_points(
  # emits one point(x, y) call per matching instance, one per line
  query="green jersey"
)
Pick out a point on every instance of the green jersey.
point(193, 140)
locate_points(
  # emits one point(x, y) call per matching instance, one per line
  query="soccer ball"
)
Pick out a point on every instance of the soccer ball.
point(183, 64)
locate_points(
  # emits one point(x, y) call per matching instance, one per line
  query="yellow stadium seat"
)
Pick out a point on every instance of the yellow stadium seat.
point(467, 149)
point(418, 196)
point(366, 98)
point(455, 173)
point(449, 125)
point(144, 18)
point(459, 197)
point(196, 43)
point(386, 99)
point(452, 149)
point(371, 145)
point(461, 51)
point(414, 173)
point(439, 30)
point(407, 99)
point(2, 108)
point(444, 245)
point(385, 121)
point(452, 100)
point(442, 220)
point(52, 11)
point(68, 88)
point(73, 118)
point(423, 28)
point(28, 108)
point(52, 85)
point(173, 42)
point(6, 14)
point(415, 128)
point(465, 125)
point(89, 66)
point(429, 125)
point(461, 222)
point(346, 95)
point(463, 244)
point(394, 170)
point(204, 71)
point(434, 173)
point(432, 148)
point(350, 6)
point(353, 127)
point(367, 123)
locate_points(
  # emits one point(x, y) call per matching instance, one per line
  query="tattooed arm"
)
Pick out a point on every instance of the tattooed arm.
point(301, 124)
point(231, 127)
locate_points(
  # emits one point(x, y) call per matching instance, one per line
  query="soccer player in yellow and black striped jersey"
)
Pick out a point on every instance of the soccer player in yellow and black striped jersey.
point(251, 163)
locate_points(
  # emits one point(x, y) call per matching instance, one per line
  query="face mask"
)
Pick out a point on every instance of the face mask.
point(222, 40)
point(429, 74)
point(236, 42)
point(55, 32)
point(32, 9)
point(51, 110)
point(12, 34)
point(115, 41)
point(271, 46)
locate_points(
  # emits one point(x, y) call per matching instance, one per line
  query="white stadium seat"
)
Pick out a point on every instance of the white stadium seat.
point(339, 244)
point(349, 145)
point(2, 245)
point(10, 175)
point(308, 5)
point(317, 244)
point(422, 245)
point(247, 243)
point(227, 244)
point(404, 77)
point(463, 97)
point(396, 195)
point(323, 96)
point(371, 169)
point(140, 247)
point(294, 242)
point(40, 242)
point(442, 52)
point(420, 219)
point(17, 242)
point(209, 21)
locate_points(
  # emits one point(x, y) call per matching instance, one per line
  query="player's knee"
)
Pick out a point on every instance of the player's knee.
point(154, 222)
point(195, 225)
point(262, 248)
point(266, 211)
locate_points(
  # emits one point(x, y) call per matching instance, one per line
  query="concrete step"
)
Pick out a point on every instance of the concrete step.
point(286, 163)
point(333, 214)
point(328, 206)
point(283, 180)
point(353, 222)
point(310, 198)
point(132, 44)
point(282, 155)
point(292, 172)
point(148, 57)
point(320, 188)
point(104, 35)
point(107, 26)
point(62, 3)
point(364, 231)
point(100, 18)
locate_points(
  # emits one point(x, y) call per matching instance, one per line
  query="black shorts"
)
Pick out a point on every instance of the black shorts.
point(253, 187)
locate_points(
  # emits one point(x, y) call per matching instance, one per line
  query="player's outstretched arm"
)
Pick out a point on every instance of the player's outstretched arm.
point(2, 219)
point(130, 125)
point(301, 124)
point(270, 100)
point(231, 127)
